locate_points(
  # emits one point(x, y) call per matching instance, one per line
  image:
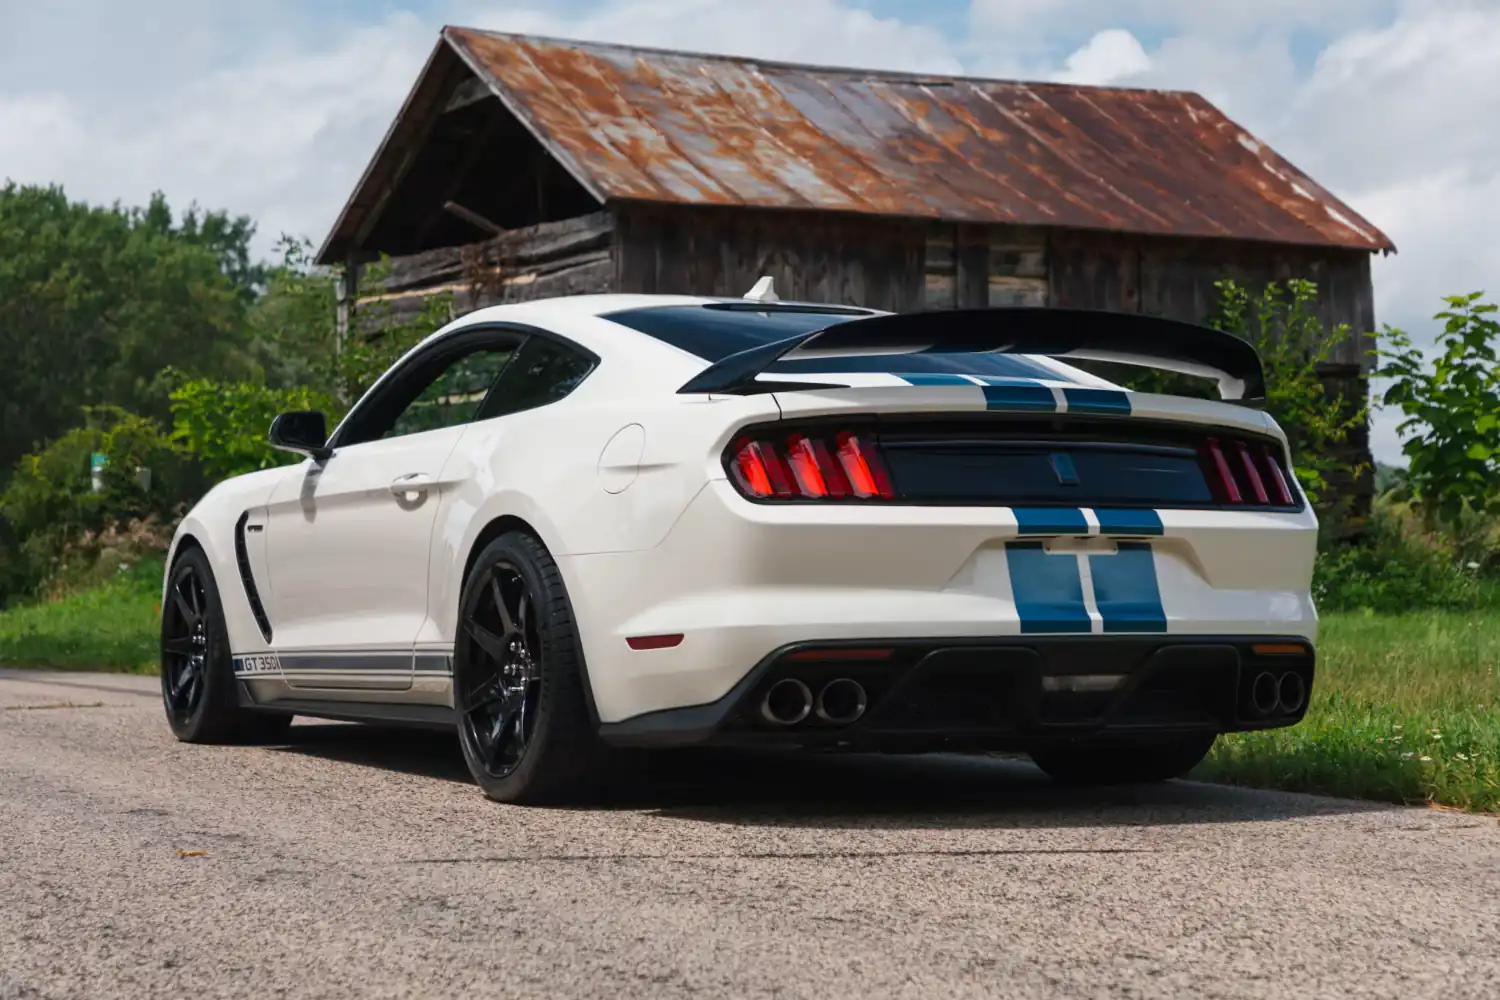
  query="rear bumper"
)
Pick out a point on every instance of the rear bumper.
point(1001, 693)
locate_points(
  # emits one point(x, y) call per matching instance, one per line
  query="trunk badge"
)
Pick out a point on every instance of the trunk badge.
point(1062, 467)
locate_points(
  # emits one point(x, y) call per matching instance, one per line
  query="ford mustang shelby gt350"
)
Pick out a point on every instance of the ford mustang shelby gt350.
point(567, 526)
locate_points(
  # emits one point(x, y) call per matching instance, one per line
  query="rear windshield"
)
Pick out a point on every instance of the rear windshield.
point(714, 332)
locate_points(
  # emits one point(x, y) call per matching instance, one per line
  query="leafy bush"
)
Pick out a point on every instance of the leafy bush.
point(52, 511)
point(1399, 567)
point(224, 424)
point(1452, 409)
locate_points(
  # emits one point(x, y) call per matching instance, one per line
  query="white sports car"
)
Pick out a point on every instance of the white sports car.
point(571, 525)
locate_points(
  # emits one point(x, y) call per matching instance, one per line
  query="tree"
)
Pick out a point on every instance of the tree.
point(1452, 409)
point(96, 302)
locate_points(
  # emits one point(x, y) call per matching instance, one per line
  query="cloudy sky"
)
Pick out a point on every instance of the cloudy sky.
point(273, 108)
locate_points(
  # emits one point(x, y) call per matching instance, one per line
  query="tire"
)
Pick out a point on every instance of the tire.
point(197, 674)
point(1125, 764)
point(518, 680)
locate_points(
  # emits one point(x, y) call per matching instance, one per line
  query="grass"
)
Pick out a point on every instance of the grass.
point(112, 626)
point(1405, 709)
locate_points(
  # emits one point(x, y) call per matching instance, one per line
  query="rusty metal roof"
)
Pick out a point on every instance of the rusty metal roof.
point(658, 126)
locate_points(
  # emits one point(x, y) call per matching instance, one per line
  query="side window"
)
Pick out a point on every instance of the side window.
point(544, 371)
point(455, 395)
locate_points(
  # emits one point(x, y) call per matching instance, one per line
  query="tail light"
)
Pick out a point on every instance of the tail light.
point(1245, 474)
point(802, 466)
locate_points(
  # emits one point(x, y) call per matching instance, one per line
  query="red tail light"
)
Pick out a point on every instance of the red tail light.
point(760, 471)
point(1278, 481)
point(864, 466)
point(804, 466)
point(1220, 476)
point(1252, 476)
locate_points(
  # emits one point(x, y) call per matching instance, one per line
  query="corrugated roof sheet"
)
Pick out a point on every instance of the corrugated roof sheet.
point(673, 127)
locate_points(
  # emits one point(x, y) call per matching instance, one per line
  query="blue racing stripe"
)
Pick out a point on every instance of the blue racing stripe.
point(1126, 591)
point(1128, 522)
point(1111, 401)
point(1014, 394)
point(932, 378)
point(1050, 521)
point(1048, 589)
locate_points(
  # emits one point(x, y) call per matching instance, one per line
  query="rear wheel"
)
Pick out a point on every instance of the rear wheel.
point(197, 674)
point(523, 721)
point(1123, 764)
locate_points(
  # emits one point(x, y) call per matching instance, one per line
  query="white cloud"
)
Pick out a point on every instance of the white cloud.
point(1112, 56)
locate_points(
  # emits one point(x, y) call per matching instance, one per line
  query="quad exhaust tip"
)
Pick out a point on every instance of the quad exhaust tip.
point(841, 701)
point(1291, 693)
point(1265, 693)
point(1272, 695)
point(787, 703)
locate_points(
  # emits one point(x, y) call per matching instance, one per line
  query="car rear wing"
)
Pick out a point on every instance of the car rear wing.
point(1091, 335)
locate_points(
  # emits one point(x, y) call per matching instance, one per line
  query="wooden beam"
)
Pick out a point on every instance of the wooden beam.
point(472, 218)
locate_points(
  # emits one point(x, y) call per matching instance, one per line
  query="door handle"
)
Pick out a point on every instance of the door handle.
point(416, 482)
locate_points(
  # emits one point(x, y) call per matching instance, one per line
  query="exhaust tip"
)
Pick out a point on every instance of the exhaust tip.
point(787, 703)
point(1292, 692)
point(841, 701)
point(1265, 693)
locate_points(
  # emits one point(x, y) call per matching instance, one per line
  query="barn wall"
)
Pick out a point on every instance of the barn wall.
point(815, 257)
point(570, 257)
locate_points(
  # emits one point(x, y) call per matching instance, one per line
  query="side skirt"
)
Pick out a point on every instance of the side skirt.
point(436, 717)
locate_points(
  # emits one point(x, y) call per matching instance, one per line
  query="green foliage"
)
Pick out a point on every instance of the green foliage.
point(50, 506)
point(292, 326)
point(113, 625)
point(95, 302)
point(224, 424)
point(1283, 325)
point(1452, 409)
point(1398, 567)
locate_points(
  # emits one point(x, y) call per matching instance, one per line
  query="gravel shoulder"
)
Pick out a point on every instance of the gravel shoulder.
point(360, 862)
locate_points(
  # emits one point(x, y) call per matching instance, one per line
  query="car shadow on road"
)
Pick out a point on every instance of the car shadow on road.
point(857, 791)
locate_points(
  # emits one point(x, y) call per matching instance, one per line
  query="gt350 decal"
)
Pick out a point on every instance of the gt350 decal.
point(256, 664)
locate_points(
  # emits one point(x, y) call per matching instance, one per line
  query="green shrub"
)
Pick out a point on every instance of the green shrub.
point(224, 424)
point(52, 512)
point(1452, 408)
point(1399, 567)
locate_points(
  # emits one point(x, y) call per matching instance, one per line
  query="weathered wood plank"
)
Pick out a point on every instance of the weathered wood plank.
point(521, 246)
point(972, 257)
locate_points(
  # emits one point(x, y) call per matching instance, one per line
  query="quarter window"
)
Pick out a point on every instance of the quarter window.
point(543, 372)
point(454, 397)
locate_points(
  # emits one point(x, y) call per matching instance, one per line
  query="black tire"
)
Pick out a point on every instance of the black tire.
point(1123, 764)
point(518, 680)
point(197, 675)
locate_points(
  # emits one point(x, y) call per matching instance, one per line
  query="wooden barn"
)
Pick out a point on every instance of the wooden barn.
point(523, 167)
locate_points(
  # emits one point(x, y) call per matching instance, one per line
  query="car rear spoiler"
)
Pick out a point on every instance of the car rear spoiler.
point(1091, 335)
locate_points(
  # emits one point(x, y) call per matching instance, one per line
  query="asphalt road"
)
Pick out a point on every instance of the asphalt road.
point(360, 862)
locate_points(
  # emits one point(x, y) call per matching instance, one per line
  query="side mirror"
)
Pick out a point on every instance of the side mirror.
point(302, 431)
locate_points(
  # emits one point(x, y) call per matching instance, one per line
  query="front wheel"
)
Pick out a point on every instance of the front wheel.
point(197, 675)
point(518, 681)
point(1123, 764)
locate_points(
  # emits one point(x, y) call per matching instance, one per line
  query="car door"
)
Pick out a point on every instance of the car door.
point(347, 538)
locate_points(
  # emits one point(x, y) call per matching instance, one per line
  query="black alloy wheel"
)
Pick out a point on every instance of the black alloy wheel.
point(499, 706)
point(519, 685)
point(197, 672)
point(184, 644)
